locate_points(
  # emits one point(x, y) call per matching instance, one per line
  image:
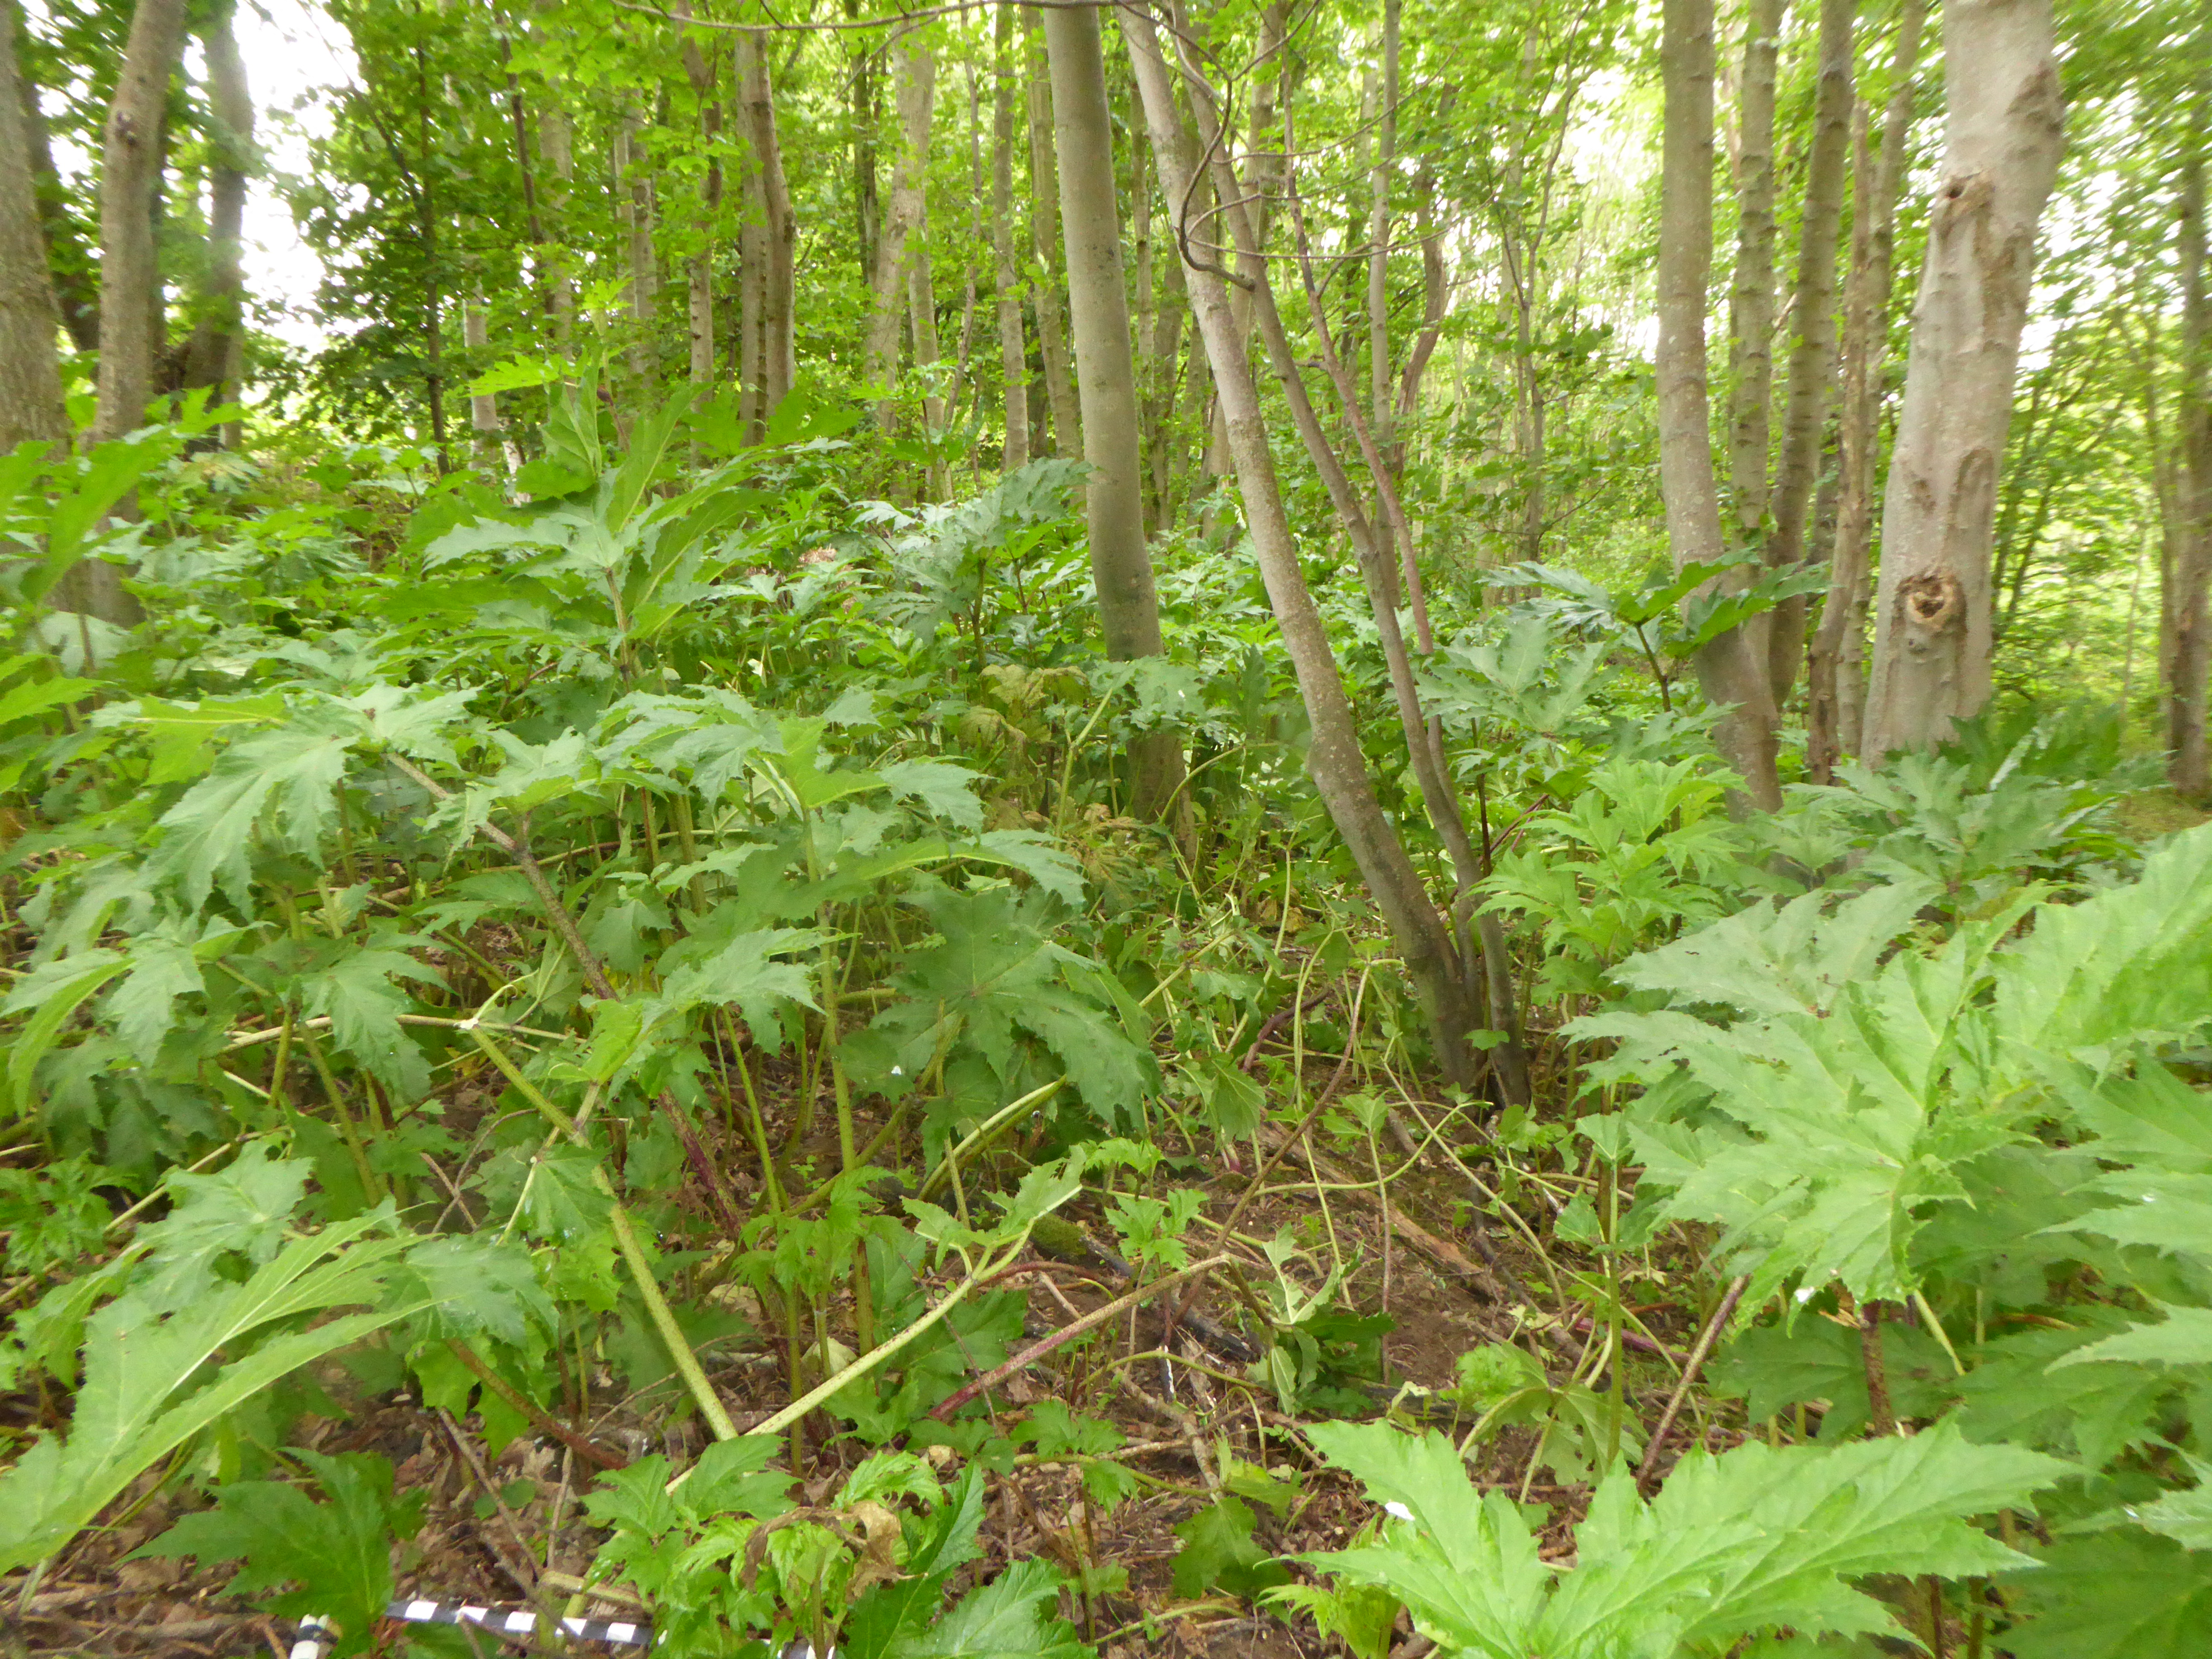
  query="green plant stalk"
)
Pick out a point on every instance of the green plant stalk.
point(349, 1131)
point(656, 1306)
point(1067, 761)
point(758, 1121)
point(1619, 1403)
point(948, 1164)
point(875, 1357)
point(322, 1023)
point(664, 1320)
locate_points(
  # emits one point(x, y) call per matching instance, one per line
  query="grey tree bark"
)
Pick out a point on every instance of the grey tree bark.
point(71, 263)
point(1835, 675)
point(699, 269)
point(31, 406)
point(1728, 670)
point(1813, 335)
point(779, 238)
point(1379, 379)
point(634, 211)
point(131, 166)
point(1044, 229)
point(1099, 313)
point(914, 77)
point(483, 407)
point(1013, 350)
point(2190, 630)
point(556, 152)
point(1750, 292)
point(1334, 760)
point(216, 358)
point(129, 276)
point(2004, 138)
point(752, 253)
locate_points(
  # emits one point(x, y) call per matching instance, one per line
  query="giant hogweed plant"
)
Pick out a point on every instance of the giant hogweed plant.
point(1966, 1138)
point(1970, 1142)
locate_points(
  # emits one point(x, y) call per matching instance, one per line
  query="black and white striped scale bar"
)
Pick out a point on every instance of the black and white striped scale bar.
point(501, 1621)
point(509, 1621)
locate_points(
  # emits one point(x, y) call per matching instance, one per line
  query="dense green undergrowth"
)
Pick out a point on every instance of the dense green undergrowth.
point(479, 942)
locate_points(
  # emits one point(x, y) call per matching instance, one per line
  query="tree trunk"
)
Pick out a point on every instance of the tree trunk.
point(1265, 159)
point(1334, 760)
point(31, 406)
point(1099, 313)
point(778, 322)
point(1379, 378)
point(699, 268)
point(518, 115)
point(1044, 227)
point(556, 151)
point(216, 358)
point(2191, 629)
point(1727, 669)
point(1835, 692)
point(1813, 330)
point(2005, 136)
point(1435, 292)
point(483, 407)
point(914, 92)
point(71, 263)
point(1751, 294)
point(130, 163)
point(867, 115)
point(130, 318)
point(922, 323)
point(633, 210)
point(752, 254)
point(1013, 353)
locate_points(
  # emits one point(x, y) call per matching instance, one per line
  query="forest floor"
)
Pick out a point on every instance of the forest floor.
point(507, 1530)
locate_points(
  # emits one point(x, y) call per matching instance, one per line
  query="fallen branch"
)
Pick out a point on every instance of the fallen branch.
point(1066, 1334)
point(1691, 1367)
point(545, 1423)
point(1441, 1251)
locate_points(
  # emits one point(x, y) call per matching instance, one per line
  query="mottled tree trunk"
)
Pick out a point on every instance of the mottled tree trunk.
point(1729, 672)
point(556, 152)
point(914, 93)
point(2190, 631)
point(2005, 136)
point(1013, 352)
point(779, 244)
point(1097, 306)
point(216, 358)
point(131, 321)
point(1044, 227)
point(699, 273)
point(1751, 294)
point(634, 208)
point(865, 114)
point(1836, 690)
point(752, 256)
point(131, 178)
point(1380, 387)
point(71, 263)
point(1813, 336)
point(484, 406)
point(31, 407)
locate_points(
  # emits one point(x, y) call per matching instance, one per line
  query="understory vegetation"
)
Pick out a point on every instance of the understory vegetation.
point(1108, 833)
point(655, 989)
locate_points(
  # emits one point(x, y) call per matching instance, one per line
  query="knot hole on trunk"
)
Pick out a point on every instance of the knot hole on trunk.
point(1932, 600)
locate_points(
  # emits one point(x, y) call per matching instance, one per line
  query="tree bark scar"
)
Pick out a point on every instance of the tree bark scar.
point(1931, 602)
